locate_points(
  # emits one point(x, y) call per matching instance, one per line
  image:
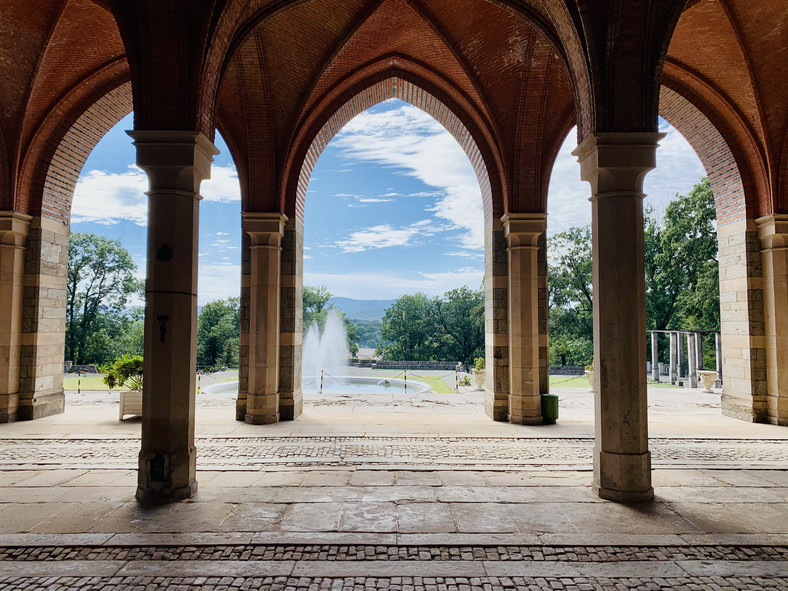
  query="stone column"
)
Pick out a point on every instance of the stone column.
point(692, 357)
point(654, 357)
point(615, 165)
point(773, 233)
point(496, 331)
point(243, 336)
point(13, 234)
point(544, 316)
point(176, 163)
point(718, 354)
point(680, 354)
point(265, 232)
point(291, 398)
point(699, 350)
point(522, 232)
point(744, 388)
point(43, 320)
point(673, 356)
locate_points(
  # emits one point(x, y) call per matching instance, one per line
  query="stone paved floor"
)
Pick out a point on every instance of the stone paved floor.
point(395, 493)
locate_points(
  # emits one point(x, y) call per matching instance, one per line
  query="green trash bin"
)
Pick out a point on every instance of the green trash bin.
point(549, 409)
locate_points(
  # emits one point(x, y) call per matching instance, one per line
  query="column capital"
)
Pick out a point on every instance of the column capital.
point(524, 229)
point(14, 227)
point(617, 162)
point(265, 229)
point(174, 159)
point(773, 230)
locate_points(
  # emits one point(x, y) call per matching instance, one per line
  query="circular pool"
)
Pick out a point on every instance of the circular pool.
point(341, 385)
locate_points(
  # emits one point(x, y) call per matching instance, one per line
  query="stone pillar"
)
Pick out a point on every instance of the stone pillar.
point(680, 354)
point(265, 231)
point(654, 357)
point(243, 336)
point(718, 354)
point(43, 320)
point(544, 315)
point(773, 233)
point(744, 388)
point(692, 357)
point(291, 398)
point(176, 163)
point(615, 165)
point(522, 232)
point(673, 358)
point(14, 228)
point(496, 330)
point(699, 350)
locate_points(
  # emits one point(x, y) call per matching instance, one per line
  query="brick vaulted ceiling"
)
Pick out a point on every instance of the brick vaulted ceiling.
point(268, 72)
point(301, 64)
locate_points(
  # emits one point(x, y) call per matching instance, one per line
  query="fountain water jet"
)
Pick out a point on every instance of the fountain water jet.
point(324, 352)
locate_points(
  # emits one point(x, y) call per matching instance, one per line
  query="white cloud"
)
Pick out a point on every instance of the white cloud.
point(409, 139)
point(109, 197)
point(390, 284)
point(384, 236)
point(374, 200)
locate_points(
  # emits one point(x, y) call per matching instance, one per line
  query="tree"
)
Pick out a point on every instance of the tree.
point(460, 315)
point(218, 328)
point(316, 311)
point(570, 297)
point(100, 283)
point(410, 328)
point(450, 327)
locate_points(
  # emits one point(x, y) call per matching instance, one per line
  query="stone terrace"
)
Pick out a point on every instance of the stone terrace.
point(395, 492)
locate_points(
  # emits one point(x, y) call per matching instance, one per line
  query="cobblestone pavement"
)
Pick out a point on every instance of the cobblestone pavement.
point(256, 452)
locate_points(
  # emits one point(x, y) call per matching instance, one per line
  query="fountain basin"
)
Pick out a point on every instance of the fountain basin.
point(341, 385)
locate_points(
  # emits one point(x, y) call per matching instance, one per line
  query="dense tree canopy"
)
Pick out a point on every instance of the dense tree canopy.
point(218, 327)
point(447, 328)
point(100, 284)
point(682, 276)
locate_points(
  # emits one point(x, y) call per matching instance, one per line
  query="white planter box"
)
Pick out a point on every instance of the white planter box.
point(130, 404)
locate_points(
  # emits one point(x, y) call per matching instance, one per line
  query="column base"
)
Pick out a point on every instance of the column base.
point(520, 420)
point(291, 408)
point(496, 409)
point(166, 477)
point(624, 478)
point(737, 408)
point(240, 408)
point(41, 406)
point(261, 419)
point(262, 409)
point(525, 410)
point(619, 496)
point(9, 404)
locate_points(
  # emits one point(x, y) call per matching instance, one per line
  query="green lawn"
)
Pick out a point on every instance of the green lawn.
point(87, 382)
point(569, 381)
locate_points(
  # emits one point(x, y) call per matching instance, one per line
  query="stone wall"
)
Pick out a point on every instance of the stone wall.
point(496, 326)
point(43, 320)
point(291, 403)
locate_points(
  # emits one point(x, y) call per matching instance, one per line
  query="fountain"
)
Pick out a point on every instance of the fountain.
point(327, 351)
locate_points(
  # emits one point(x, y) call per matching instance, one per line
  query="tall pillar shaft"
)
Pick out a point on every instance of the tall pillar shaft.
point(291, 398)
point(13, 234)
point(243, 336)
point(680, 354)
point(654, 357)
point(544, 317)
point(496, 331)
point(522, 234)
point(176, 163)
point(773, 233)
point(674, 372)
point(744, 388)
point(615, 164)
point(265, 233)
point(692, 358)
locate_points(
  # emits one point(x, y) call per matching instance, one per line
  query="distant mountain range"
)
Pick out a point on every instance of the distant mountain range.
point(362, 309)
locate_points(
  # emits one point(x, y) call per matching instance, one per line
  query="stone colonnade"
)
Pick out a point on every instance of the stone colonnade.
point(694, 347)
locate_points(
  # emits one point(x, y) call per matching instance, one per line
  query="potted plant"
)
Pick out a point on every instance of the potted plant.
point(126, 372)
point(589, 373)
point(479, 373)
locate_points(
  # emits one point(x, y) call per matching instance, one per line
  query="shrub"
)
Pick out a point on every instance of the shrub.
point(126, 372)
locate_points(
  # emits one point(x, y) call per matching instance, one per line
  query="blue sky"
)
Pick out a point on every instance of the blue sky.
point(393, 206)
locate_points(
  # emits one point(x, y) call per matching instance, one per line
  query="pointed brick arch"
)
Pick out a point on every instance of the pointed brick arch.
point(409, 92)
point(713, 152)
point(76, 146)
